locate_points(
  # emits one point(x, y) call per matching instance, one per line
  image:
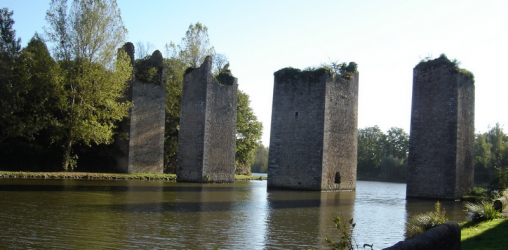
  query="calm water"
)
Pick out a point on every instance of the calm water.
point(81, 214)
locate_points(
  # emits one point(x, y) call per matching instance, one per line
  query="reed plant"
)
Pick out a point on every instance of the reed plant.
point(420, 223)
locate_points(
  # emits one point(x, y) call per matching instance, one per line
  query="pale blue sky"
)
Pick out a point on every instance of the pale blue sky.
point(386, 39)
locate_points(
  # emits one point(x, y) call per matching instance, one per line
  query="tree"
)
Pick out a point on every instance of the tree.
point(248, 134)
point(9, 50)
point(396, 143)
point(90, 30)
point(85, 40)
point(370, 150)
point(383, 155)
point(194, 47)
point(260, 164)
point(35, 95)
point(491, 149)
point(8, 42)
point(219, 62)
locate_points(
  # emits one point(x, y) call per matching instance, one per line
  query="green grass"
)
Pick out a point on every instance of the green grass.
point(103, 176)
point(491, 234)
point(249, 177)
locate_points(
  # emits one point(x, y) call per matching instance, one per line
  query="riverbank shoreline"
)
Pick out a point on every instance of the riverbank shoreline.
point(104, 176)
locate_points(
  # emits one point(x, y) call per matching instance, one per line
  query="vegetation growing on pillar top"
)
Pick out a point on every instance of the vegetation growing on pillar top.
point(312, 75)
point(443, 60)
point(147, 72)
point(225, 77)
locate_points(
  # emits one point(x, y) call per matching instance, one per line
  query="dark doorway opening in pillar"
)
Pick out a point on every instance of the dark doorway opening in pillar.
point(296, 114)
point(337, 178)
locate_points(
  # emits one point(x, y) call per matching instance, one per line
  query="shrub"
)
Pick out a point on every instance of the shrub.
point(478, 212)
point(418, 224)
point(479, 191)
point(500, 180)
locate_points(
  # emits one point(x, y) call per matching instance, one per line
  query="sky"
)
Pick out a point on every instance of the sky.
point(385, 38)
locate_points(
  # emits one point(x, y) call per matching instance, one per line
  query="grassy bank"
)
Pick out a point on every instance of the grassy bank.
point(485, 235)
point(104, 176)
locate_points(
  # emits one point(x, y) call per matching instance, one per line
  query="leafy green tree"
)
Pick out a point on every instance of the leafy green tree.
point(396, 143)
point(8, 42)
point(89, 30)
point(491, 149)
point(9, 50)
point(85, 40)
point(371, 141)
point(248, 134)
point(194, 47)
point(383, 155)
point(35, 95)
point(498, 139)
point(260, 164)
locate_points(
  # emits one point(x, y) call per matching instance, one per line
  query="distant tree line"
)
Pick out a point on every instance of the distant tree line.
point(66, 101)
point(382, 156)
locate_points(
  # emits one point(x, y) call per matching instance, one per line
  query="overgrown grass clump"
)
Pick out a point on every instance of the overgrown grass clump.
point(483, 211)
point(421, 223)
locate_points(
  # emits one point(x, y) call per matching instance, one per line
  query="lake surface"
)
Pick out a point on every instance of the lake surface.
point(121, 214)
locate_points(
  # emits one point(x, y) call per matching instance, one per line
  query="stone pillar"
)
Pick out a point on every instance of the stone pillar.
point(144, 151)
point(441, 145)
point(314, 130)
point(207, 137)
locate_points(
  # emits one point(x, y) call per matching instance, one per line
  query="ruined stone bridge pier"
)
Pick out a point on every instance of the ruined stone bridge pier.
point(441, 144)
point(314, 130)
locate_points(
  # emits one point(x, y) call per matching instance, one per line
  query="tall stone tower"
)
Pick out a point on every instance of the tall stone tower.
point(207, 138)
point(441, 144)
point(313, 141)
point(144, 151)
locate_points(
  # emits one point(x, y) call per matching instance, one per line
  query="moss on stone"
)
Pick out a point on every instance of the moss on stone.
point(225, 79)
point(310, 75)
point(443, 60)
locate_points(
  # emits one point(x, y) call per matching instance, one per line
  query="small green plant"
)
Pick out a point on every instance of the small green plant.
point(418, 224)
point(346, 241)
point(478, 212)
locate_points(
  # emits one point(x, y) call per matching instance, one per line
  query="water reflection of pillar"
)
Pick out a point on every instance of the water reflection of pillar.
point(216, 217)
point(334, 204)
point(142, 206)
point(293, 219)
point(249, 224)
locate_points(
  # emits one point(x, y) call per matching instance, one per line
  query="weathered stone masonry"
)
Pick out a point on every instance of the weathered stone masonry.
point(206, 142)
point(441, 146)
point(144, 151)
point(313, 141)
